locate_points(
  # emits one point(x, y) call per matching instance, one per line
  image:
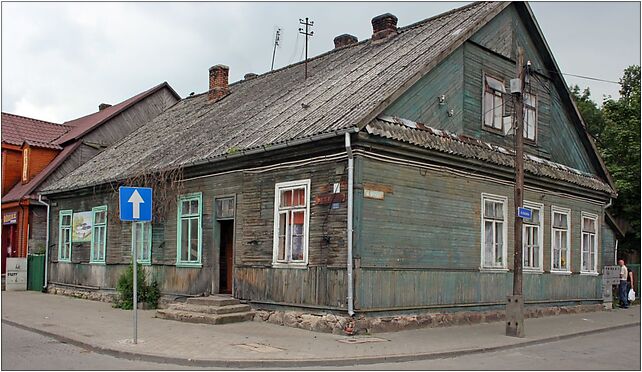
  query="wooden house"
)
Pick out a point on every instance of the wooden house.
point(37, 153)
point(382, 182)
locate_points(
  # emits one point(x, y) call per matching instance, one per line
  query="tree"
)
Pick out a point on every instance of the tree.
point(589, 110)
point(620, 148)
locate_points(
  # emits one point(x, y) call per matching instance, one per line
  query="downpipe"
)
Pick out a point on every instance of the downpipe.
point(46, 282)
point(350, 227)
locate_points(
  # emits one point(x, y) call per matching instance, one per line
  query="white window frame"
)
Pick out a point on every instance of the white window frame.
point(527, 108)
point(278, 188)
point(61, 227)
point(540, 237)
point(504, 200)
point(595, 245)
point(146, 245)
point(495, 93)
point(102, 250)
point(567, 212)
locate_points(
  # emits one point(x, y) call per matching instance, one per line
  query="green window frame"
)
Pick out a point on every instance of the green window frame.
point(142, 241)
point(98, 234)
point(189, 230)
point(64, 235)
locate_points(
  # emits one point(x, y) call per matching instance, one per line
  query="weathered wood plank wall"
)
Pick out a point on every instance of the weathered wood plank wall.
point(424, 239)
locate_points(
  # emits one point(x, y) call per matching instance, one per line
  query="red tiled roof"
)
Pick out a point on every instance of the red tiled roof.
point(16, 130)
point(21, 190)
point(85, 124)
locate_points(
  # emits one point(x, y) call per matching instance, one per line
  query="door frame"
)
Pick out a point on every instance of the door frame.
point(216, 271)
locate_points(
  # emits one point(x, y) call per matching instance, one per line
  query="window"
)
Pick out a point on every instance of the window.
point(291, 217)
point(494, 231)
point(188, 240)
point(589, 243)
point(530, 116)
point(532, 253)
point(560, 240)
point(98, 234)
point(142, 241)
point(64, 235)
point(493, 107)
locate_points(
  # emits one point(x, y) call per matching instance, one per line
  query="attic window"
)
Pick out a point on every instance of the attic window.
point(493, 105)
point(530, 116)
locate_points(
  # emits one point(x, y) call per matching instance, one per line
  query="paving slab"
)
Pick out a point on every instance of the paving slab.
point(100, 327)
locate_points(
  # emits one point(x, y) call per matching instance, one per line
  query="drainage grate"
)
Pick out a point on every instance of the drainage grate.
point(260, 348)
point(361, 340)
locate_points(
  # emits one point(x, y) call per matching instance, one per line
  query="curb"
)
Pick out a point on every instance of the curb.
point(284, 363)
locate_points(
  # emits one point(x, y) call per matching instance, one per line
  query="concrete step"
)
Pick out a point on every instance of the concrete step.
point(191, 317)
point(213, 301)
point(227, 309)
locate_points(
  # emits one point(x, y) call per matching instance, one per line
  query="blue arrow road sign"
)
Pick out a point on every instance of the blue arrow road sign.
point(524, 212)
point(135, 203)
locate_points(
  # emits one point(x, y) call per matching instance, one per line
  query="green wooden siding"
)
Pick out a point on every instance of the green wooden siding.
point(421, 245)
point(421, 102)
point(389, 289)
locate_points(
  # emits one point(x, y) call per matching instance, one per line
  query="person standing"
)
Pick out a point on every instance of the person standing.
point(623, 288)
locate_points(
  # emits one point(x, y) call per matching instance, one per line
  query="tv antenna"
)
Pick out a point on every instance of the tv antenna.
point(308, 23)
point(277, 38)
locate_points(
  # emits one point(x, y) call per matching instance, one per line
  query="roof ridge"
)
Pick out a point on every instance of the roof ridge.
point(364, 41)
point(34, 119)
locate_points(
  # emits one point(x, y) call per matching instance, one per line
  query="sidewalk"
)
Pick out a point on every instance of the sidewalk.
point(101, 328)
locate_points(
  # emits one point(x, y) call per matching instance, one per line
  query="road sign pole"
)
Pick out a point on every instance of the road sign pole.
point(135, 298)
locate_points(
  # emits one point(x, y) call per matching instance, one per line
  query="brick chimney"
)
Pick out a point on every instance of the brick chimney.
point(218, 82)
point(344, 40)
point(383, 26)
point(103, 106)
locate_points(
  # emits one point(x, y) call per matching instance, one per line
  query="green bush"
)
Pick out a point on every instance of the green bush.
point(147, 293)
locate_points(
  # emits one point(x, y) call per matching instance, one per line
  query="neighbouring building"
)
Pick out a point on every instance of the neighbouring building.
point(383, 182)
point(27, 148)
point(37, 153)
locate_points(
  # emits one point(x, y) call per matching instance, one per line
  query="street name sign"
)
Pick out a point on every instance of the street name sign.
point(524, 212)
point(135, 203)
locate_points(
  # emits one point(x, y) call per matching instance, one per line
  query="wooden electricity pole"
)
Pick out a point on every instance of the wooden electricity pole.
point(519, 174)
point(307, 23)
point(515, 306)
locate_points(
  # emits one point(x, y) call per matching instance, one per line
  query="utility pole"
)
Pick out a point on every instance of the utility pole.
point(277, 38)
point(307, 34)
point(515, 306)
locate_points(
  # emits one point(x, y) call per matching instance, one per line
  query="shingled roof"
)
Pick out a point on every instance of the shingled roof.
point(344, 88)
point(18, 130)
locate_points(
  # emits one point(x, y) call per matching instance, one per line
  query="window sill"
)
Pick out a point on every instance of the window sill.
point(282, 265)
point(102, 263)
point(64, 261)
point(197, 265)
point(533, 271)
point(558, 272)
point(493, 270)
point(589, 273)
point(145, 263)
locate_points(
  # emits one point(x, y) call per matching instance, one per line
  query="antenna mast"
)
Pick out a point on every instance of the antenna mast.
point(277, 38)
point(307, 34)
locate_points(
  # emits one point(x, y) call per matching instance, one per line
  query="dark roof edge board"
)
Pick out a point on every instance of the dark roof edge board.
point(143, 96)
point(433, 62)
point(560, 82)
point(614, 225)
point(256, 150)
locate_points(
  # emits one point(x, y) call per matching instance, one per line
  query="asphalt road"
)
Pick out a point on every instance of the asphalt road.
point(612, 350)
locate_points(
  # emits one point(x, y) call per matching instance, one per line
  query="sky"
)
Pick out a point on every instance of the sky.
point(61, 60)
